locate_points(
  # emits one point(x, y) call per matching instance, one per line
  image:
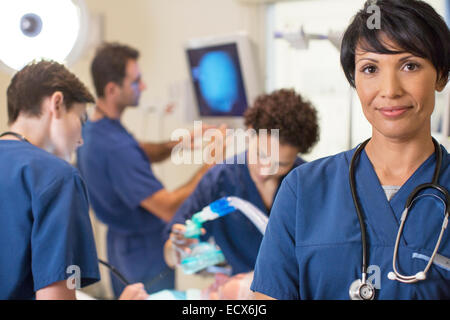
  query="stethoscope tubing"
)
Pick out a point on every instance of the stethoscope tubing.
point(434, 185)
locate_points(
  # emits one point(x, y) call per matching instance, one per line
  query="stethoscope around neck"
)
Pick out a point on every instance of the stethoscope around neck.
point(17, 135)
point(362, 289)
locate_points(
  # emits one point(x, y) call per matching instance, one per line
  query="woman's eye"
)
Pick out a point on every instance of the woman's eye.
point(411, 66)
point(369, 69)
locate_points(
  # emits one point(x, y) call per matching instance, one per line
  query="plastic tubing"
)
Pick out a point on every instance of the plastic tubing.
point(255, 215)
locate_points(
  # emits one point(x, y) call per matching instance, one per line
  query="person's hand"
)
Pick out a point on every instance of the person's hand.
point(134, 291)
point(195, 140)
point(181, 244)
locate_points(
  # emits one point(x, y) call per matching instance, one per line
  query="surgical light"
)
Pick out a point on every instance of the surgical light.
point(41, 29)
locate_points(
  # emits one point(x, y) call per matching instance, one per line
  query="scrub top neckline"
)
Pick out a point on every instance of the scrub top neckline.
point(104, 119)
point(412, 179)
point(374, 201)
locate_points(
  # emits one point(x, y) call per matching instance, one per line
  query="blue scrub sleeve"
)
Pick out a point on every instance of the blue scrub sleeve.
point(62, 240)
point(131, 175)
point(276, 270)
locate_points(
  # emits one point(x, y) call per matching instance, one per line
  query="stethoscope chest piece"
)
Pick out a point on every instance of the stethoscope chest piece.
point(361, 291)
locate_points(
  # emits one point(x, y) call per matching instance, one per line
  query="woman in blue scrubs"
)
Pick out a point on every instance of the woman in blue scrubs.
point(242, 177)
point(313, 245)
point(47, 249)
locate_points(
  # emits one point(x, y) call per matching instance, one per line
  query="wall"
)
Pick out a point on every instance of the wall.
point(159, 28)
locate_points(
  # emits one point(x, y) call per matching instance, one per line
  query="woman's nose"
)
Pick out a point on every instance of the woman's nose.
point(390, 86)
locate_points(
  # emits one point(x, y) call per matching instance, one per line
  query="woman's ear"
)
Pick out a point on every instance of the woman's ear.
point(57, 106)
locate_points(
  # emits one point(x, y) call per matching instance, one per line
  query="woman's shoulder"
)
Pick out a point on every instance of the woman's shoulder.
point(317, 169)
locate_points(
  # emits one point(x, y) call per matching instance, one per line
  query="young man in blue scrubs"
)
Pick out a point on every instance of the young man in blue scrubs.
point(125, 193)
point(45, 231)
point(314, 242)
point(237, 237)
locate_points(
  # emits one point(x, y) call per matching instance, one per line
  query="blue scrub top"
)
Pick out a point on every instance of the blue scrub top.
point(119, 177)
point(44, 222)
point(234, 233)
point(312, 246)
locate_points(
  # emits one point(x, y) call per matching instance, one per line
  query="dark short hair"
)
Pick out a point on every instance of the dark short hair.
point(287, 111)
point(39, 80)
point(413, 25)
point(109, 65)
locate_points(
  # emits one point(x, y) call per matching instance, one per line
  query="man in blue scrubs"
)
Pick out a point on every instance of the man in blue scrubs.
point(237, 237)
point(46, 244)
point(312, 248)
point(125, 193)
point(44, 222)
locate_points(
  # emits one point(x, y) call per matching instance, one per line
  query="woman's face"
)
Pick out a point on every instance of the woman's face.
point(397, 92)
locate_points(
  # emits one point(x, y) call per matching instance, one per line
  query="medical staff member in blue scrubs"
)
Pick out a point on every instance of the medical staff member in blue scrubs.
point(44, 222)
point(313, 246)
point(238, 238)
point(124, 192)
point(45, 232)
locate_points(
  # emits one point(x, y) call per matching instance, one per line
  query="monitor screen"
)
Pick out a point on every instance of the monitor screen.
point(218, 81)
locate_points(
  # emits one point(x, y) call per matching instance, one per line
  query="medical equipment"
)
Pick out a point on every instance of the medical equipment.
point(224, 78)
point(361, 289)
point(205, 254)
point(53, 30)
point(18, 136)
point(300, 39)
point(202, 255)
point(126, 282)
point(115, 272)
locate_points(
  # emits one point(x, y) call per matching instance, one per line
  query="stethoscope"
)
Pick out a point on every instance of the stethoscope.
point(18, 136)
point(126, 282)
point(362, 289)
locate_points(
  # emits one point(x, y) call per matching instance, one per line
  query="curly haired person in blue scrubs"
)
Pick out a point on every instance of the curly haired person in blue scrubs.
point(315, 246)
point(239, 240)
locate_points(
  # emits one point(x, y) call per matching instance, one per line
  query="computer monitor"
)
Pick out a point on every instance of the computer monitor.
point(223, 75)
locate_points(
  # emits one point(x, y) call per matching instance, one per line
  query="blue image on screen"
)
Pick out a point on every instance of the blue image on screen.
point(218, 81)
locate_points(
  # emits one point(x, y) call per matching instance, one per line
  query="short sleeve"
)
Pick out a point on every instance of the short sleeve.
point(276, 270)
point(131, 175)
point(202, 196)
point(62, 240)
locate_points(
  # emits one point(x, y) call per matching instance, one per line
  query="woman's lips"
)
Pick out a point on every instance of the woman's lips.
point(392, 112)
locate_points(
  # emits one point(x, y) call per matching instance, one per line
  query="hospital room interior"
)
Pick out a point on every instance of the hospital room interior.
point(217, 70)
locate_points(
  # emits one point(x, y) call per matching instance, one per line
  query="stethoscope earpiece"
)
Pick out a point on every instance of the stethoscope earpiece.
point(392, 276)
point(421, 275)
